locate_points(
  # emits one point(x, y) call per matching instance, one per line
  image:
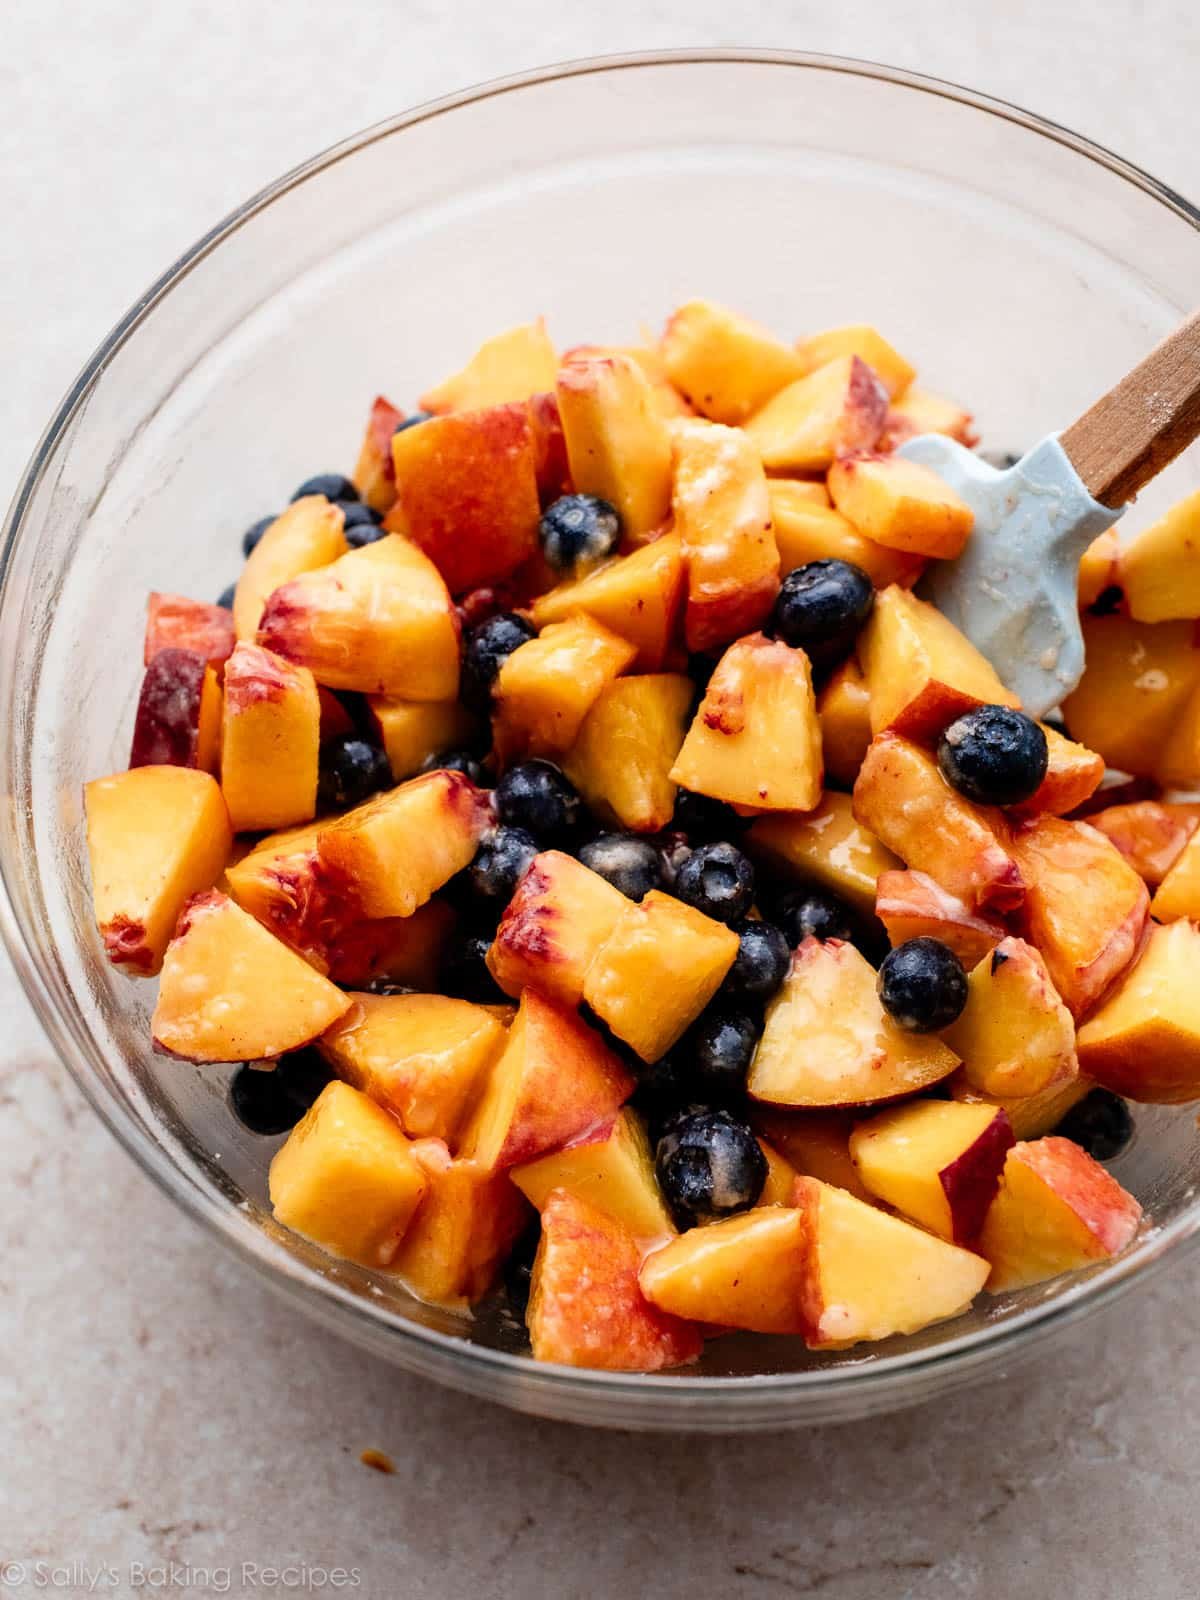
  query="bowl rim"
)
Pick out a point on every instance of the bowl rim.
point(497, 1374)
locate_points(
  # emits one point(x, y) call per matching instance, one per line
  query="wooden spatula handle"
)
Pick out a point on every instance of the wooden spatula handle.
point(1138, 428)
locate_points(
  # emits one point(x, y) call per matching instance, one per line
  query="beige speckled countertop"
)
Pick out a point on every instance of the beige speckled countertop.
point(156, 1403)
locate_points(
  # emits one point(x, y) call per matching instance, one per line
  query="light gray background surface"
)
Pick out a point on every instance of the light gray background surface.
point(156, 1404)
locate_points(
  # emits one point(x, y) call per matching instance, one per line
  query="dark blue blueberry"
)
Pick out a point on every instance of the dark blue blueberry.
point(465, 973)
point(709, 1165)
point(821, 608)
point(357, 512)
point(362, 525)
point(499, 864)
point(922, 985)
point(225, 598)
point(518, 1269)
point(716, 1053)
point(704, 819)
point(254, 533)
point(331, 484)
point(464, 761)
point(761, 963)
point(579, 530)
point(352, 770)
point(813, 914)
point(630, 864)
point(994, 755)
point(412, 422)
point(718, 880)
point(1100, 1123)
point(538, 796)
point(486, 650)
point(270, 1102)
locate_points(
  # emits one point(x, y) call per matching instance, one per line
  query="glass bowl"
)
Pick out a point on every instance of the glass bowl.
point(1023, 269)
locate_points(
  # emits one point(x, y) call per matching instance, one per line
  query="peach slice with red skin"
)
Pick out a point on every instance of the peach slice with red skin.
point(859, 339)
point(178, 718)
point(838, 409)
point(305, 537)
point(464, 1227)
point(912, 905)
point(1150, 834)
point(727, 366)
point(1073, 774)
point(559, 917)
point(1144, 1041)
point(408, 950)
point(741, 1272)
point(270, 740)
point(611, 1167)
point(173, 622)
point(373, 475)
point(920, 411)
point(550, 467)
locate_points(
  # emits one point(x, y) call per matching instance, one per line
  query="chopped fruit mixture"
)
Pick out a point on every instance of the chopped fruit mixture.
point(615, 890)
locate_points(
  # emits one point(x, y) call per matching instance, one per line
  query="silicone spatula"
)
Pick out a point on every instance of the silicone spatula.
point(1012, 591)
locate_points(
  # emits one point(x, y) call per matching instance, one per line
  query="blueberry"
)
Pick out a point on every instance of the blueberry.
point(254, 533)
point(225, 598)
point(486, 650)
point(538, 796)
point(664, 1089)
point(718, 880)
point(704, 819)
point(499, 863)
point(331, 484)
point(578, 530)
point(362, 525)
point(386, 986)
point(411, 422)
point(518, 1269)
point(352, 769)
point(464, 761)
point(821, 608)
point(813, 914)
point(270, 1102)
point(356, 512)
point(761, 963)
point(709, 1165)
point(922, 985)
point(465, 973)
point(630, 864)
point(994, 755)
point(718, 1049)
point(1101, 1123)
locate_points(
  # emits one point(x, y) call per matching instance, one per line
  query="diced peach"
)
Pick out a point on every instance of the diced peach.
point(1015, 1035)
point(827, 1040)
point(178, 718)
point(1057, 1211)
point(1144, 1041)
point(807, 532)
point(667, 397)
point(815, 1143)
point(1099, 568)
point(660, 966)
point(867, 1275)
point(725, 365)
point(611, 1168)
point(1179, 893)
point(780, 1183)
point(231, 991)
point(937, 1162)
point(755, 740)
point(741, 1272)
point(546, 687)
point(844, 710)
point(585, 1306)
point(618, 443)
point(407, 950)
point(1031, 1115)
point(901, 504)
point(373, 475)
point(827, 846)
point(304, 538)
point(513, 365)
point(918, 411)
point(1150, 834)
point(1160, 568)
point(859, 339)
point(175, 623)
point(621, 761)
point(461, 1232)
point(723, 517)
point(411, 731)
point(467, 493)
point(1138, 680)
point(638, 596)
point(1073, 774)
point(799, 494)
point(912, 905)
point(270, 741)
point(840, 407)
point(550, 466)
point(1085, 907)
point(1178, 764)
point(379, 620)
point(559, 917)
point(155, 836)
point(347, 1178)
point(555, 1082)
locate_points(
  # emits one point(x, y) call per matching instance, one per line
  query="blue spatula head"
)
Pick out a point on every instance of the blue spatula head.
point(1012, 591)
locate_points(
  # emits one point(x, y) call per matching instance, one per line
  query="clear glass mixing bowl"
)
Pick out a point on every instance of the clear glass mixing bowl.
point(1022, 267)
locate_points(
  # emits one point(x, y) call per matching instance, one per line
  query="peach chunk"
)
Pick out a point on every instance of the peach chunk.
point(1031, 1115)
point(844, 710)
point(1085, 907)
point(463, 1229)
point(175, 623)
point(808, 530)
point(347, 1178)
point(859, 339)
point(411, 731)
point(1073, 774)
point(1144, 1041)
point(379, 621)
point(741, 1272)
point(920, 411)
point(373, 475)
point(723, 516)
point(638, 596)
point(756, 740)
point(921, 671)
point(901, 504)
point(826, 846)
point(827, 1040)
point(903, 798)
point(780, 1183)
point(815, 1143)
point(1179, 893)
point(667, 397)
point(178, 718)
point(467, 494)
point(546, 687)
point(419, 1056)
point(938, 1162)
point(408, 950)
point(911, 905)
point(1057, 1211)
point(585, 1306)
point(724, 364)
point(554, 1083)
point(621, 762)
point(1160, 568)
point(1178, 763)
point(550, 466)
point(618, 442)
point(1150, 834)
point(231, 991)
point(660, 966)
point(867, 1275)
point(838, 408)
point(561, 914)
point(270, 741)
point(1138, 680)
point(1015, 1036)
point(611, 1168)
point(513, 365)
point(397, 849)
point(305, 537)
point(155, 837)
